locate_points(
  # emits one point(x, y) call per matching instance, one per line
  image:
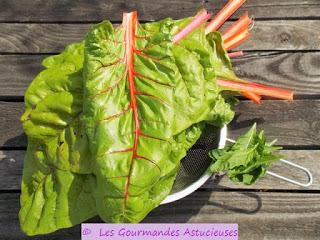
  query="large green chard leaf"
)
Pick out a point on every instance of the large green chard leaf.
point(56, 183)
point(142, 95)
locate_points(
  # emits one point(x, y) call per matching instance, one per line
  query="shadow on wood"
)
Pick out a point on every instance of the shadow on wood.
point(18, 141)
point(250, 195)
point(246, 123)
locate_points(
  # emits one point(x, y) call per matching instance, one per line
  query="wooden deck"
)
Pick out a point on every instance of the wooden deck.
point(284, 51)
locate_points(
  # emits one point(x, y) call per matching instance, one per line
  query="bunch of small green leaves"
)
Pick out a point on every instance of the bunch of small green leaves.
point(247, 159)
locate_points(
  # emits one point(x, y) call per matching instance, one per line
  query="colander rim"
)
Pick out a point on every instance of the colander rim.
point(197, 184)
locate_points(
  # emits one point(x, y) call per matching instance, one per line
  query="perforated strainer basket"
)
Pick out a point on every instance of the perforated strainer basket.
point(194, 168)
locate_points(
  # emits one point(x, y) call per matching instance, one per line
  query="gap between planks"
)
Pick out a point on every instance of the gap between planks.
point(52, 38)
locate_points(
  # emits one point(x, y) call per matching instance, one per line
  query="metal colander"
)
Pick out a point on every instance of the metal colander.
point(193, 170)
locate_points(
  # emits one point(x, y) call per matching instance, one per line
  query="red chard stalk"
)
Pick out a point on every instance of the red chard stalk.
point(242, 24)
point(197, 21)
point(237, 40)
point(223, 15)
point(257, 89)
point(233, 36)
point(235, 54)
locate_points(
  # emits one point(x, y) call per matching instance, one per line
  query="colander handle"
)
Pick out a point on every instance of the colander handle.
point(291, 180)
point(286, 178)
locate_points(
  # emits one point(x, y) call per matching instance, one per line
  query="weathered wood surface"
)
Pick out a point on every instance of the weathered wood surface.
point(294, 123)
point(17, 72)
point(86, 10)
point(283, 51)
point(259, 215)
point(283, 35)
point(297, 70)
point(11, 164)
point(11, 130)
point(52, 38)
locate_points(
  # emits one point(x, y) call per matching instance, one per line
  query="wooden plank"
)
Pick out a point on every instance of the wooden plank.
point(17, 72)
point(283, 35)
point(11, 163)
point(11, 129)
point(52, 38)
point(39, 38)
point(296, 70)
point(292, 123)
point(259, 215)
point(86, 10)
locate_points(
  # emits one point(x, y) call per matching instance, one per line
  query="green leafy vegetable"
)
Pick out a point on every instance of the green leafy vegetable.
point(57, 181)
point(109, 120)
point(247, 160)
point(142, 92)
